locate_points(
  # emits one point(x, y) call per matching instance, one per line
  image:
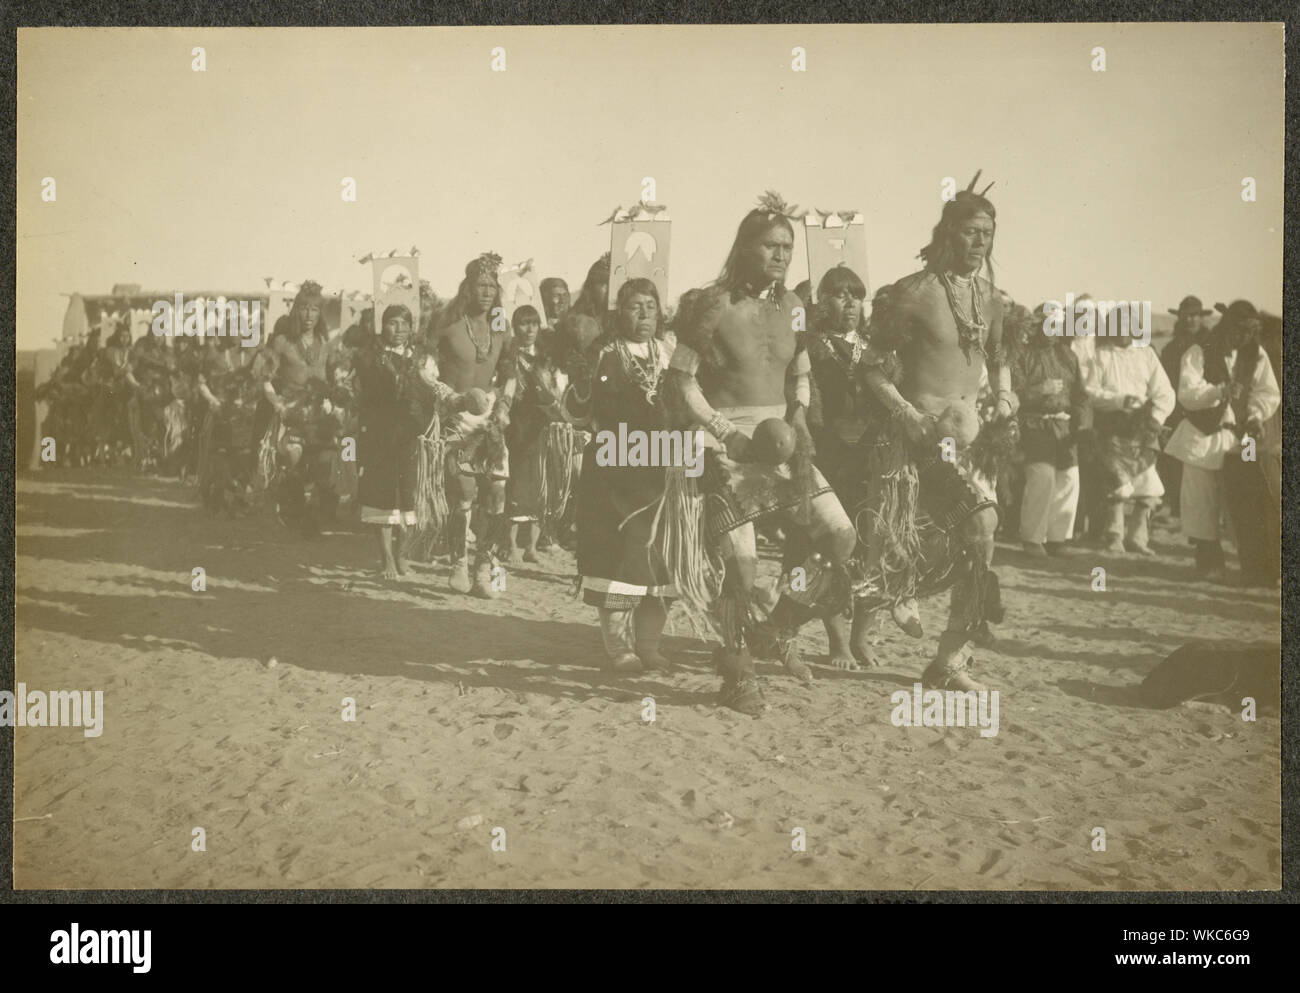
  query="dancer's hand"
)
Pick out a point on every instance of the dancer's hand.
point(467, 423)
point(737, 444)
point(919, 427)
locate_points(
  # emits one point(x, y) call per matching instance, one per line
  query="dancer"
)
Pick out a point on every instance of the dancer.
point(616, 503)
point(933, 334)
point(535, 487)
point(837, 419)
point(469, 345)
point(736, 365)
point(395, 408)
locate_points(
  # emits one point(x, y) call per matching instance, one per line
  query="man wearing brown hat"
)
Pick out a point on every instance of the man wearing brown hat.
point(1188, 331)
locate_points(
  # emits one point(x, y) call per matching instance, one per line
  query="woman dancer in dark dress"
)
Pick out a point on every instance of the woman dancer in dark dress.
point(616, 503)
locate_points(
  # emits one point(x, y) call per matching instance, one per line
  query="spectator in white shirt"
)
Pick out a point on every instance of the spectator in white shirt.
point(1227, 386)
point(1131, 397)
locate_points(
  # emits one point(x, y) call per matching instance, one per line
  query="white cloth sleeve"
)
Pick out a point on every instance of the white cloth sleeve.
point(1265, 397)
point(1103, 396)
point(1194, 393)
point(1159, 390)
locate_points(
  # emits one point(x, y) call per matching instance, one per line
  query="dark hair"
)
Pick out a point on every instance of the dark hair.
point(646, 287)
point(938, 254)
point(523, 313)
point(756, 224)
point(587, 302)
point(838, 279)
point(686, 303)
point(549, 283)
point(400, 310)
point(832, 284)
point(460, 306)
point(308, 293)
point(1223, 337)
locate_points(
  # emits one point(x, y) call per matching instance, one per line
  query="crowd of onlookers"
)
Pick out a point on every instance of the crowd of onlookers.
point(1111, 432)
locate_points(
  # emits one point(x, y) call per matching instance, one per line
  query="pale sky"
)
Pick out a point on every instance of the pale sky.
point(1125, 184)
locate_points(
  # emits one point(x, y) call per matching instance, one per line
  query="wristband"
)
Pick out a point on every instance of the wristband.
point(803, 391)
point(720, 427)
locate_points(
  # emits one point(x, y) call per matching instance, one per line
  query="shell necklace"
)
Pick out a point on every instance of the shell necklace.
point(481, 352)
point(971, 327)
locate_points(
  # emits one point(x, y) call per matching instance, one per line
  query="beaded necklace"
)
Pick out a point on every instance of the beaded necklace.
point(644, 373)
point(971, 328)
point(481, 352)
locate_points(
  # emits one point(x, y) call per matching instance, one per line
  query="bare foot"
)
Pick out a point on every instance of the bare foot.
point(516, 556)
point(390, 569)
point(837, 633)
point(530, 555)
point(864, 623)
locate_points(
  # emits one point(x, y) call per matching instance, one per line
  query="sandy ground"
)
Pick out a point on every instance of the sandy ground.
point(496, 711)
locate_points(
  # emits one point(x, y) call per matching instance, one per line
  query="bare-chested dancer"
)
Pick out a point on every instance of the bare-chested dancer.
point(736, 365)
point(943, 325)
point(469, 343)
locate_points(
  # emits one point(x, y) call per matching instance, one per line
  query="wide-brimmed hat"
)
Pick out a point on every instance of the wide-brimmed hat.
point(1191, 306)
point(1238, 310)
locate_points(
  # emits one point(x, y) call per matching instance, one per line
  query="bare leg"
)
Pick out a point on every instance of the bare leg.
point(865, 623)
point(530, 548)
point(837, 632)
point(514, 556)
point(399, 550)
point(386, 550)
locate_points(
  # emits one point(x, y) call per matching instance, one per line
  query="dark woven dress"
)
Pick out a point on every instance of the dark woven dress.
point(395, 408)
point(616, 504)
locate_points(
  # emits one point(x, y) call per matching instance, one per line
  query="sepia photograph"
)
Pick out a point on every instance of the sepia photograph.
point(691, 458)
